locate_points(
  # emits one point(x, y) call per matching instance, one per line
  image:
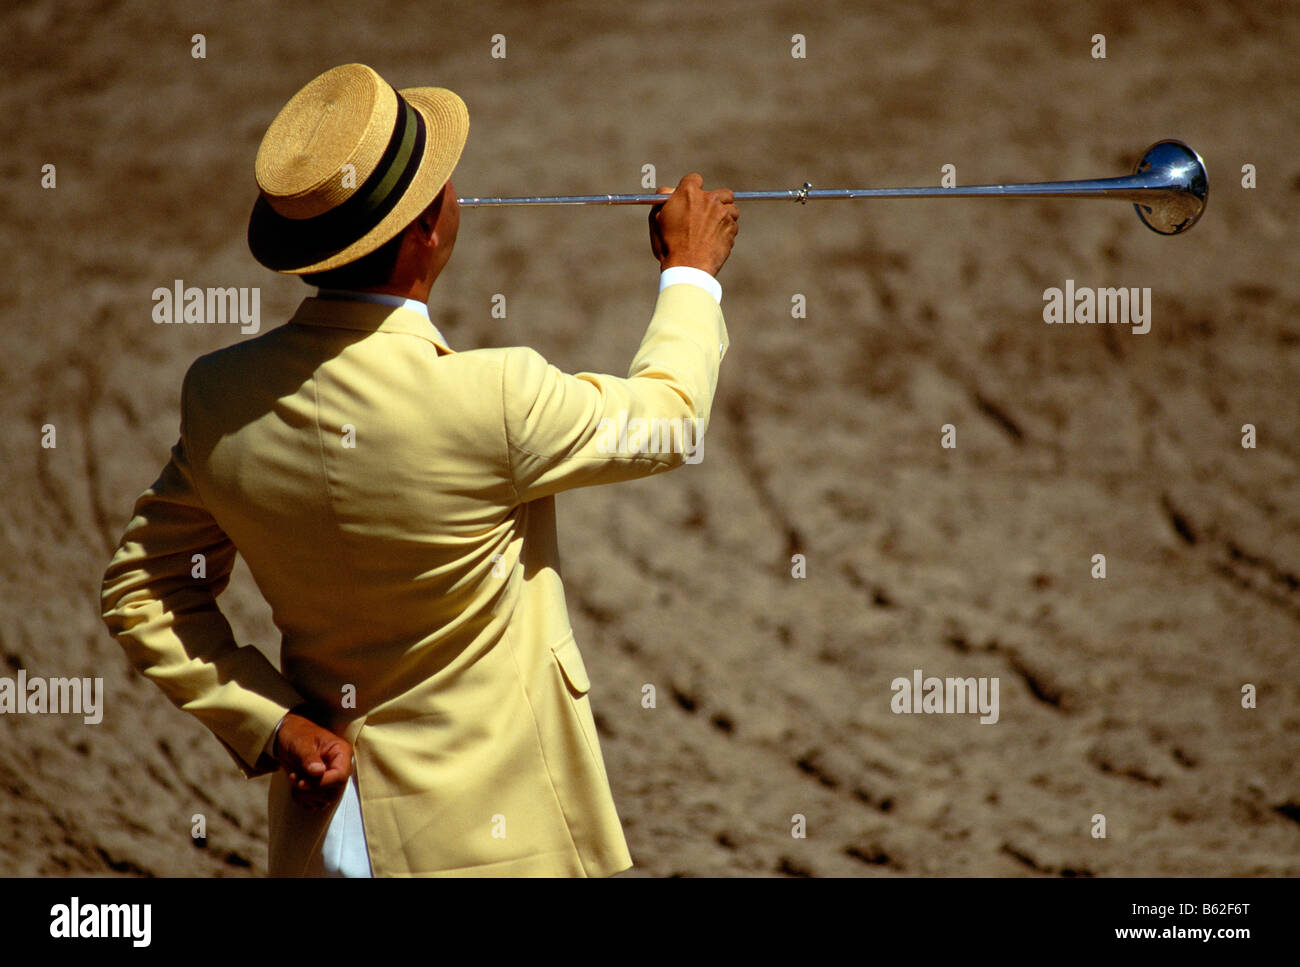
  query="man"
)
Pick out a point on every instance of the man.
point(394, 501)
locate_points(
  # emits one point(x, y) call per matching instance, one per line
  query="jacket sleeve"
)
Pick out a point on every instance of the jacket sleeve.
point(159, 602)
point(574, 430)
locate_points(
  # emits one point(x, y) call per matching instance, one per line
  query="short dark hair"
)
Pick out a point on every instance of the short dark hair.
point(372, 269)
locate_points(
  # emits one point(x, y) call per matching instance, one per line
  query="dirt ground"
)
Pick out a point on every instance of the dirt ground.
point(1119, 696)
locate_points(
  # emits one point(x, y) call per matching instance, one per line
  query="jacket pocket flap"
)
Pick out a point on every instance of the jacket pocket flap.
point(570, 660)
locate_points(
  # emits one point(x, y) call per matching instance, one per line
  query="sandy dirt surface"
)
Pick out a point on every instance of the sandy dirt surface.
point(1119, 697)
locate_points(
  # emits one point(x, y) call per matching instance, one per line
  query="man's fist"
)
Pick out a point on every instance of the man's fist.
point(694, 227)
point(318, 761)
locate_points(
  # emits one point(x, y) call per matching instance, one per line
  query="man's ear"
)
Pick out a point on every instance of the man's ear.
point(426, 230)
point(427, 221)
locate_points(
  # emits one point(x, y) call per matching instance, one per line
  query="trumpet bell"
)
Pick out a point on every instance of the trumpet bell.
point(1178, 187)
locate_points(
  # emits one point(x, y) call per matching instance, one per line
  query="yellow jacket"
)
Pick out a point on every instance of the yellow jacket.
point(394, 501)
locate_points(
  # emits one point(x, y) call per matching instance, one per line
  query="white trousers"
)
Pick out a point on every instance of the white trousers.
point(344, 852)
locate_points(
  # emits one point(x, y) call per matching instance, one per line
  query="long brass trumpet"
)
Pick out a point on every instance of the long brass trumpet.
point(1168, 189)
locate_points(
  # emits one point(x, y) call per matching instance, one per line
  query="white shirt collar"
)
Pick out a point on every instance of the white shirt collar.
point(383, 298)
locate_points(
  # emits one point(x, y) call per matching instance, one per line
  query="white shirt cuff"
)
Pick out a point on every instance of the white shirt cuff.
point(690, 276)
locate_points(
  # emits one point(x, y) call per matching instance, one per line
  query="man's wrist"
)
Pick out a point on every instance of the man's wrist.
point(275, 736)
point(301, 709)
point(689, 275)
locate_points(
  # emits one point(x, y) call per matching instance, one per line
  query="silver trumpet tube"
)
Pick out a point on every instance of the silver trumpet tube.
point(1168, 189)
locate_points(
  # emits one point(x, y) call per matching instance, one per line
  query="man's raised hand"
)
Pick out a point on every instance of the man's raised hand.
point(694, 227)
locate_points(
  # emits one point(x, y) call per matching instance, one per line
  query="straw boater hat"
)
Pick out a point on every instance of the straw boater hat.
point(315, 213)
